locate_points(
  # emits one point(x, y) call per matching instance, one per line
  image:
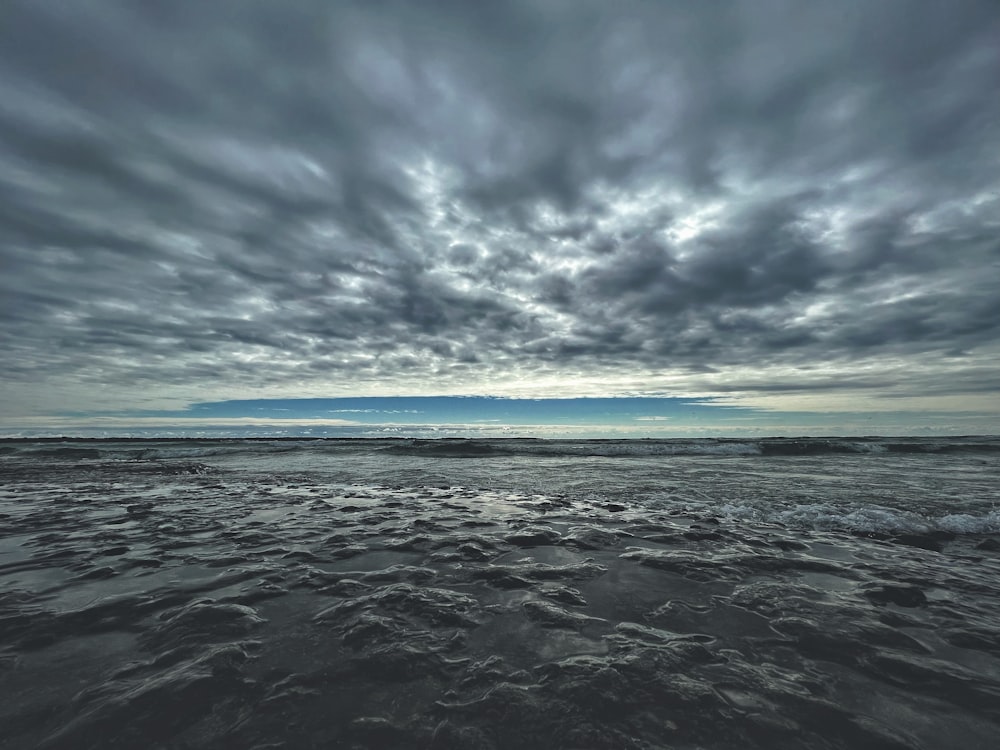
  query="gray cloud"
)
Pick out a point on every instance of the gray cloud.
point(454, 197)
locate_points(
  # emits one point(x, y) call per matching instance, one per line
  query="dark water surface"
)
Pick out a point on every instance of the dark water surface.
point(500, 594)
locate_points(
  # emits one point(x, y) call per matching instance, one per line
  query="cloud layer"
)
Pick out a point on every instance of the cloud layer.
point(244, 198)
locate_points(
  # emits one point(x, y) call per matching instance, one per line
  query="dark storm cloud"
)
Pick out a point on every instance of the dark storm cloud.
point(438, 194)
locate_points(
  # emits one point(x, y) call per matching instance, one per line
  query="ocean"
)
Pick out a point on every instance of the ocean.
point(492, 594)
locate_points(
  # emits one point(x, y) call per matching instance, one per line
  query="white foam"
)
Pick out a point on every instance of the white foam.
point(965, 523)
point(876, 518)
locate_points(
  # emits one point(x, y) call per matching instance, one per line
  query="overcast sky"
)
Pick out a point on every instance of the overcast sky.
point(780, 205)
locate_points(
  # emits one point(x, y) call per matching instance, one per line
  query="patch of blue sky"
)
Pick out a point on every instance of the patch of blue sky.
point(430, 410)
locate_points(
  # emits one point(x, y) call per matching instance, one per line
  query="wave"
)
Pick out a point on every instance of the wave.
point(160, 450)
point(452, 448)
point(142, 451)
point(470, 448)
point(68, 452)
point(873, 519)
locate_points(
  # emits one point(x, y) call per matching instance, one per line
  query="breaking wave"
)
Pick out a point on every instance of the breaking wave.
point(865, 519)
point(458, 448)
point(159, 450)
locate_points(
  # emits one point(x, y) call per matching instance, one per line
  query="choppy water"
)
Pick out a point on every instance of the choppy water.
point(500, 594)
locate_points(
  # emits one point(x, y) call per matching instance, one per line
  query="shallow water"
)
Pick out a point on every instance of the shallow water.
point(499, 595)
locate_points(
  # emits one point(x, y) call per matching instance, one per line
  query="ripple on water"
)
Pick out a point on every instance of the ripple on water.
point(447, 618)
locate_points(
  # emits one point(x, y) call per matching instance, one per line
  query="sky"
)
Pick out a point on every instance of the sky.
point(768, 216)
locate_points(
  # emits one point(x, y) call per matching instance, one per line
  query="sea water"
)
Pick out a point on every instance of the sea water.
point(774, 593)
